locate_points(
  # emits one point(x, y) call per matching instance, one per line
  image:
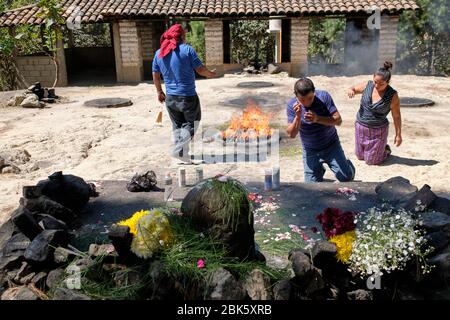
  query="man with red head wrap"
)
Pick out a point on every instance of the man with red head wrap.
point(176, 61)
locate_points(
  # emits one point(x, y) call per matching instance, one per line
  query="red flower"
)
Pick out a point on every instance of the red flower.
point(335, 221)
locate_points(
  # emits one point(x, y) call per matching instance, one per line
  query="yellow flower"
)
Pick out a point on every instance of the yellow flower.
point(132, 222)
point(344, 244)
point(153, 233)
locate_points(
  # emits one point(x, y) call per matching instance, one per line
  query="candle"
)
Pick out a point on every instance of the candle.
point(182, 177)
point(276, 177)
point(268, 180)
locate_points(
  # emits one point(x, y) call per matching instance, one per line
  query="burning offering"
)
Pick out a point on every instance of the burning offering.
point(252, 124)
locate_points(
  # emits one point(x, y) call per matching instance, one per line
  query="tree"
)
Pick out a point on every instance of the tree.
point(250, 41)
point(51, 12)
point(326, 40)
point(424, 39)
point(196, 38)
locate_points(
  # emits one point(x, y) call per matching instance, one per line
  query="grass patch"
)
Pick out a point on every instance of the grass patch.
point(180, 263)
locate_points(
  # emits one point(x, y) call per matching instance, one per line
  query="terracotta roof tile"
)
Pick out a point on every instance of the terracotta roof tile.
point(89, 11)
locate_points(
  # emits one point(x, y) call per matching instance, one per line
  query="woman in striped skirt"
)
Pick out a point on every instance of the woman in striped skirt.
point(372, 126)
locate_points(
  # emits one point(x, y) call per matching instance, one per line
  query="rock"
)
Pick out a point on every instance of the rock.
point(323, 255)
point(18, 99)
point(12, 253)
point(360, 295)
point(45, 205)
point(273, 69)
point(19, 293)
point(301, 263)
point(10, 168)
point(102, 250)
point(225, 287)
point(11, 261)
point(222, 209)
point(7, 230)
point(441, 204)
point(395, 190)
point(25, 222)
point(277, 262)
point(18, 242)
point(31, 192)
point(42, 247)
point(257, 285)
point(54, 278)
point(162, 287)
point(68, 190)
point(282, 290)
point(62, 255)
point(67, 294)
point(121, 239)
point(438, 240)
point(436, 221)
point(82, 265)
point(421, 200)
point(31, 101)
point(48, 222)
point(442, 266)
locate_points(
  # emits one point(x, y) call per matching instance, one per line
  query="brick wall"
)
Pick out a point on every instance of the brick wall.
point(214, 44)
point(299, 46)
point(128, 51)
point(388, 39)
point(37, 69)
point(147, 35)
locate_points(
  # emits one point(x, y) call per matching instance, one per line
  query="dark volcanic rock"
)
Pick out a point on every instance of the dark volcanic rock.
point(424, 198)
point(395, 190)
point(48, 222)
point(25, 222)
point(42, 247)
point(222, 209)
point(45, 205)
point(225, 287)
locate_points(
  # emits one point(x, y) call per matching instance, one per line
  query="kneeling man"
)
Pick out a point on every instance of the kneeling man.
point(313, 113)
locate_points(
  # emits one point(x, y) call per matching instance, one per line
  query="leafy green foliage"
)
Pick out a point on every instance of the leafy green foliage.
point(196, 38)
point(424, 38)
point(326, 40)
point(250, 41)
point(92, 35)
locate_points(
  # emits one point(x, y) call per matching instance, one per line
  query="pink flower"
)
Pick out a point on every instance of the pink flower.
point(200, 263)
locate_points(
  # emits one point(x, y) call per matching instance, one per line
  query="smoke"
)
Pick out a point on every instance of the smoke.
point(360, 52)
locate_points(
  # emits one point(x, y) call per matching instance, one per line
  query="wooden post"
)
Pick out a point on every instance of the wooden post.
point(61, 59)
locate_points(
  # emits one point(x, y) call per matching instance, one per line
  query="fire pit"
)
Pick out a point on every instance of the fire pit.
point(108, 103)
point(267, 100)
point(248, 138)
point(255, 84)
point(412, 102)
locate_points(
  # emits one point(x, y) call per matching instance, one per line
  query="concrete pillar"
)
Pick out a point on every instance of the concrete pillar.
point(214, 45)
point(387, 43)
point(299, 46)
point(128, 52)
point(61, 60)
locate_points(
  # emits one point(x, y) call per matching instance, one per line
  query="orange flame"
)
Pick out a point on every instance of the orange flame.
point(252, 123)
